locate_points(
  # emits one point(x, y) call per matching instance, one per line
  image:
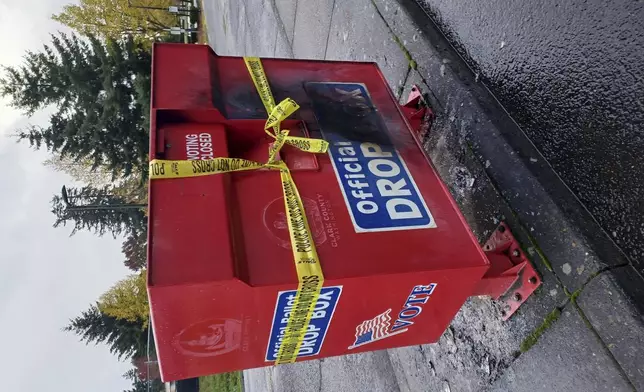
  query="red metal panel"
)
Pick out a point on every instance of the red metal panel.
point(182, 80)
point(191, 340)
point(219, 253)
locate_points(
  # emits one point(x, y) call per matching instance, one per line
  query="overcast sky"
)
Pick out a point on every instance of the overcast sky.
point(46, 277)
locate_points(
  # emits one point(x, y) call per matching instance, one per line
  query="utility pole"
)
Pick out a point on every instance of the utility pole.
point(70, 203)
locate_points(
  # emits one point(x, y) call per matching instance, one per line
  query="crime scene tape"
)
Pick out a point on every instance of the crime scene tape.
point(307, 263)
point(280, 112)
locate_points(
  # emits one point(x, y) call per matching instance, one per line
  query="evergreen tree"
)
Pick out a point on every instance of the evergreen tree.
point(135, 249)
point(124, 338)
point(101, 212)
point(101, 94)
point(139, 385)
point(133, 188)
point(131, 374)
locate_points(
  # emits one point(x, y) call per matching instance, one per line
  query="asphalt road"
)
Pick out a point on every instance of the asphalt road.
point(570, 73)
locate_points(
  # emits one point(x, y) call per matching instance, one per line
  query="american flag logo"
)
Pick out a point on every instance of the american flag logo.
point(375, 329)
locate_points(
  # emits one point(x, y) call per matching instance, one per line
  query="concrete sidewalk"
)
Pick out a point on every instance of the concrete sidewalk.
point(578, 332)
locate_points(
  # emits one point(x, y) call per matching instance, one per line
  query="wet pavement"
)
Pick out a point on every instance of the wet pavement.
point(570, 73)
point(495, 173)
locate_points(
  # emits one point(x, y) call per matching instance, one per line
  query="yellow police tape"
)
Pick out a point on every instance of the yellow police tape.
point(307, 264)
point(280, 112)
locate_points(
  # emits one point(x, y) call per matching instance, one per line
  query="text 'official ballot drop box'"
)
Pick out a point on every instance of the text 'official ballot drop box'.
point(397, 256)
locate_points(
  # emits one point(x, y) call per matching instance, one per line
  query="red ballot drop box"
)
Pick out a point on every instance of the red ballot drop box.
point(397, 256)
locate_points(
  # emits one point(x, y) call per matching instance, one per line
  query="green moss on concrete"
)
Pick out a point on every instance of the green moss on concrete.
point(542, 256)
point(573, 296)
point(535, 244)
point(585, 319)
point(534, 336)
point(410, 60)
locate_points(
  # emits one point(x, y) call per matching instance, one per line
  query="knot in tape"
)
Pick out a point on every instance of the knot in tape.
point(307, 263)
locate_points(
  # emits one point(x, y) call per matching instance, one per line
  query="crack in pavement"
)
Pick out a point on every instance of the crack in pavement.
point(328, 33)
point(282, 27)
point(320, 362)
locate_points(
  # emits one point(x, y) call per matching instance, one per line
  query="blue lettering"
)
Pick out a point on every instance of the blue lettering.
point(379, 190)
point(420, 289)
point(400, 324)
point(412, 308)
point(413, 300)
point(409, 312)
